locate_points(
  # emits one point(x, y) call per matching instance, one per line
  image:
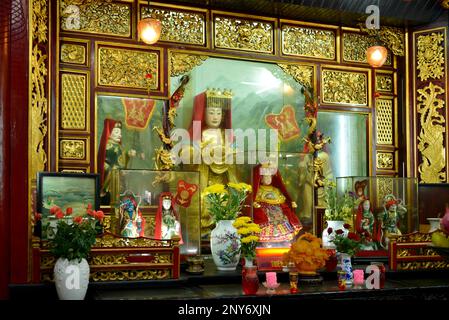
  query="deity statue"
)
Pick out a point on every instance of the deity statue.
point(367, 226)
point(167, 222)
point(394, 211)
point(132, 223)
point(211, 116)
point(359, 188)
point(274, 210)
point(111, 155)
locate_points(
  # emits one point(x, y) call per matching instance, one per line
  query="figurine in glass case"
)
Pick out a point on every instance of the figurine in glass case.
point(111, 155)
point(391, 217)
point(167, 220)
point(274, 210)
point(367, 226)
point(211, 116)
point(132, 224)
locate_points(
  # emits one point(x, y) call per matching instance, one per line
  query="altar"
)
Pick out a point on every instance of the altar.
point(207, 151)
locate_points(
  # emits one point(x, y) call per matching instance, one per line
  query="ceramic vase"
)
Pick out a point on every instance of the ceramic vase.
point(434, 224)
point(327, 238)
point(71, 278)
point(346, 266)
point(225, 245)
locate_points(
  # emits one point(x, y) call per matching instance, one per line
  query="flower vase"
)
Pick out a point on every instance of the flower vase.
point(250, 280)
point(225, 245)
point(71, 278)
point(346, 266)
point(334, 225)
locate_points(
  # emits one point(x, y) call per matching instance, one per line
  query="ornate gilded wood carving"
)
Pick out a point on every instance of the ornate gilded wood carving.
point(73, 101)
point(72, 149)
point(38, 91)
point(393, 38)
point(384, 121)
point(355, 45)
point(108, 241)
point(182, 63)
point(73, 53)
point(101, 17)
point(344, 87)
point(430, 56)
point(431, 136)
point(118, 275)
point(128, 68)
point(384, 187)
point(385, 160)
point(179, 26)
point(302, 74)
point(384, 82)
point(308, 42)
point(243, 34)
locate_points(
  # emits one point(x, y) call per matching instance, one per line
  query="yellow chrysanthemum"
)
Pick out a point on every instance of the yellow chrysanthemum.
point(254, 228)
point(253, 238)
point(243, 231)
point(215, 188)
point(245, 240)
point(240, 186)
point(238, 223)
point(244, 219)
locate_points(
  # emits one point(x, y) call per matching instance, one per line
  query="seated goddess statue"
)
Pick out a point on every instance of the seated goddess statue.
point(273, 207)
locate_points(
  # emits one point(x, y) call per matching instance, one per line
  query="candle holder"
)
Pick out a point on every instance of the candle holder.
point(293, 277)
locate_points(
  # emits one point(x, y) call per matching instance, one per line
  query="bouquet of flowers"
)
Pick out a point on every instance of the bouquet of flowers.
point(338, 208)
point(74, 237)
point(249, 236)
point(225, 202)
point(349, 244)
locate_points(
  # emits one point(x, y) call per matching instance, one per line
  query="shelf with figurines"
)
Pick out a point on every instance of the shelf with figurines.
point(154, 204)
point(384, 208)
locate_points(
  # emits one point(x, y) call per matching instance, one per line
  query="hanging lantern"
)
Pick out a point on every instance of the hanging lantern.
point(149, 30)
point(376, 56)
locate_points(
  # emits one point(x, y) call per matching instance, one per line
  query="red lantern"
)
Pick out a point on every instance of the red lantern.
point(149, 30)
point(376, 56)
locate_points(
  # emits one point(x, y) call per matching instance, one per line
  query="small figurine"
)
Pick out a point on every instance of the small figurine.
point(394, 211)
point(274, 209)
point(167, 220)
point(367, 226)
point(131, 221)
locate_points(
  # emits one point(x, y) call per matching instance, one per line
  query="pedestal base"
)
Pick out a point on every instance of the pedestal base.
point(311, 280)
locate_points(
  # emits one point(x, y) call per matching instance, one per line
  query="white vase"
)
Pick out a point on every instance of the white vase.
point(71, 278)
point(345, 264)
point(434, 224)
point(327, 238)
point(225, 245)
point(249, 262)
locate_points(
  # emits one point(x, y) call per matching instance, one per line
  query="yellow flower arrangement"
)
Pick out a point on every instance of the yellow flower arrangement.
point(225, 202)
point(307, 254)
point(249, 235)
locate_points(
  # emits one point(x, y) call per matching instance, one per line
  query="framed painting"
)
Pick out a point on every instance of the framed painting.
point(74, 190)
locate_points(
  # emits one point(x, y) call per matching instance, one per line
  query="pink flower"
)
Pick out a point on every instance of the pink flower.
point(59, 214)
point(54, 209)
point(68, 211)
point(78, 219)
point(99, 215)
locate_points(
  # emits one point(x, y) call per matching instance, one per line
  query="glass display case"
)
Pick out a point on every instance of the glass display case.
point(157, 204)
point(282, 205)
point(384, 207)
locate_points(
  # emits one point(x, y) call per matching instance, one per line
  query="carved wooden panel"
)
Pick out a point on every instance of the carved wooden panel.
point(344, 87)
point(355, 46)
point(74, 97)
point(384, 121)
